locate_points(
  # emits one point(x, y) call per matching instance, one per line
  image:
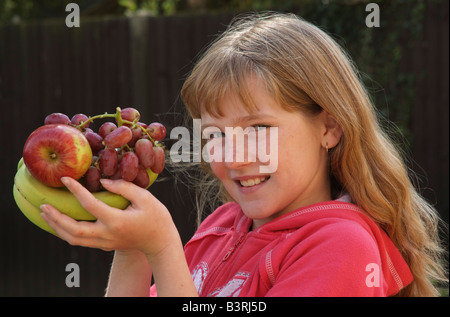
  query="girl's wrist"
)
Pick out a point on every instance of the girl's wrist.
point(164, 235)
point(171, 272)
point(130, 274)
point(133, 253)
point(155, 248)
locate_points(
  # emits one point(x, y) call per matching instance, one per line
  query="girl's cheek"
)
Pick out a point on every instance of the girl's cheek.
point(268, 150)
point(213, 151)
point(218, 169)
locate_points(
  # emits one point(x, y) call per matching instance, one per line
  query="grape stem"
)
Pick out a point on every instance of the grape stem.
point(120, 122)
point(91, 119)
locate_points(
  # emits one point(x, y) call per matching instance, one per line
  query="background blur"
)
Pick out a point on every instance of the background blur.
point(138, 52)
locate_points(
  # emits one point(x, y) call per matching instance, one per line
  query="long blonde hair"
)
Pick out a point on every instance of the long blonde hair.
point(304, 69)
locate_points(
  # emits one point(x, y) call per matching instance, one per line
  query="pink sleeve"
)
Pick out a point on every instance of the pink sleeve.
point(337, 259)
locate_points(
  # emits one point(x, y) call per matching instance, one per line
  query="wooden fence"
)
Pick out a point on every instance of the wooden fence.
point(429, 124)
point(142, 61)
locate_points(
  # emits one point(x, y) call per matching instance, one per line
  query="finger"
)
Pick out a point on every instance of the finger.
point(75, 232)
point(138, 196)
point(95, 206)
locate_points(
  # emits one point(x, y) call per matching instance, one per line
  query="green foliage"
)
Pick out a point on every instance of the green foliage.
point(155, 7)
point(443, 291)
point(26, 10)
point(23, 10)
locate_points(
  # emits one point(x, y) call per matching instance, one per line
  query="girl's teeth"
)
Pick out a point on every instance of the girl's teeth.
point(252, 182)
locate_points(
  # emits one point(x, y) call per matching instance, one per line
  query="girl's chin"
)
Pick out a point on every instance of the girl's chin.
point(258, 212)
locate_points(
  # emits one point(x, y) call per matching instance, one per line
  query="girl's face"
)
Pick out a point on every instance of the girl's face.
point(298, 178)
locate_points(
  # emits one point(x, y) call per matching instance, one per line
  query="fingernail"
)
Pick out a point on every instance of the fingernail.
point(106, 181)
point(44, 216)
point(64, 180)
point(44, 208)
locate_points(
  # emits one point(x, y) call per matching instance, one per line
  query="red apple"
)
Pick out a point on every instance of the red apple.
point(55, 150)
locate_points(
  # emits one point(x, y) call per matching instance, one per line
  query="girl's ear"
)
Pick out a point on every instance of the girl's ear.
point(333, 131)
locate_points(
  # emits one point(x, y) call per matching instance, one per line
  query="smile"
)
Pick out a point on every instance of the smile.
point(253, 181)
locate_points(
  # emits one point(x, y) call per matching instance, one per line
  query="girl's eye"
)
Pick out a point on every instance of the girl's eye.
point(211, 133)
point(216, 135)
point(261, 127)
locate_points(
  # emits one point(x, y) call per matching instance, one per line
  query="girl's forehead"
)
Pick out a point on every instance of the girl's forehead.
point(234, 111)
point(246, 98)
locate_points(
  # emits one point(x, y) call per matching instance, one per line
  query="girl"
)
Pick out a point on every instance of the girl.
point(337, 217)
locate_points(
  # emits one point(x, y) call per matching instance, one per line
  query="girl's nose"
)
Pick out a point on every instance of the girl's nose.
point(236, 164)
point(239, 151)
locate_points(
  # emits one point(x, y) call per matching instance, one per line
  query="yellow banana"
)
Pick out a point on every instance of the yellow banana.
point(30, 194)
point(31, 212)
point(20, 163)
point(152, 177)
point(38, 194)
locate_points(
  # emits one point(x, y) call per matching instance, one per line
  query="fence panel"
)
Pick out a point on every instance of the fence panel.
point(429, 123)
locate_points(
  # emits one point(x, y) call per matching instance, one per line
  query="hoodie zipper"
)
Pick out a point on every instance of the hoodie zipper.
point(233, 248)
point(213, 276)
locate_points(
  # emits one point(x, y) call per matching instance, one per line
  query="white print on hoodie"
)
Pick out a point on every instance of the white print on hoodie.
point(231, 289)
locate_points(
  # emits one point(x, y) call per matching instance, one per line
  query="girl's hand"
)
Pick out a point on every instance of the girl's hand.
point(145, 225)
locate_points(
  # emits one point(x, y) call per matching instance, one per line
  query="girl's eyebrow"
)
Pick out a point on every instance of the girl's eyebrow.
point(243, 120)
point(256, 117)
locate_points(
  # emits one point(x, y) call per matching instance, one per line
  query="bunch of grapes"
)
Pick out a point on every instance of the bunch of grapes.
point(125, 149)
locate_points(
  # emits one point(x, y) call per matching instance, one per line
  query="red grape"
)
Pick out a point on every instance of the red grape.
point(79, 119)
point(92, 179)
point(57, 118)
point(117, 174)
point(157, 131)
point(106, 128)
point(86, 130)
point(95, 141)
point(142, 179)
point(160, 160)
point(109, 161)
point(130, 114)
point(129, 166)
point(120, 136)
point(145, 153)
point(142, 124)
point(126, 152)
point(137, 133)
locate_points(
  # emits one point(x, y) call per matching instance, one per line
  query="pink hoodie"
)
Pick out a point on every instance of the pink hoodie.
point(326, 249)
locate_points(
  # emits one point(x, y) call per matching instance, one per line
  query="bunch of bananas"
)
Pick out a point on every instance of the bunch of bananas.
point(30, 194)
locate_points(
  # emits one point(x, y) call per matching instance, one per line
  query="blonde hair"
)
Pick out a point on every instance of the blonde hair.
point(304, 69)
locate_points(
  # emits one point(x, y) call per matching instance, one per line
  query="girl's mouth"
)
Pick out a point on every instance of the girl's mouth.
point(250, 182)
